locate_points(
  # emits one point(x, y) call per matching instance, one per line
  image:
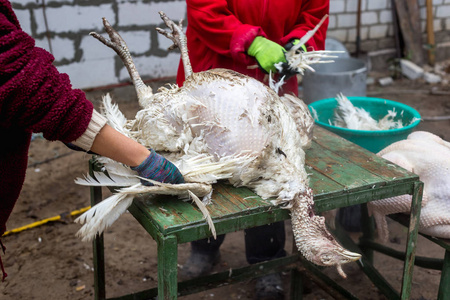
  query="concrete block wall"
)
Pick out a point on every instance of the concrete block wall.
point(62, 27)
point(376, 27)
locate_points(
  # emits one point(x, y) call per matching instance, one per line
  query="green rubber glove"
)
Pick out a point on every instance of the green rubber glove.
point(266, 53)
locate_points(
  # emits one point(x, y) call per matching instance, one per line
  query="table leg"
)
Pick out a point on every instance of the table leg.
point(368, 230)
point(296, 284)
point(413, 230)
point(444, 285)
point(97, 245)
point(167, 268)
point(99, 268)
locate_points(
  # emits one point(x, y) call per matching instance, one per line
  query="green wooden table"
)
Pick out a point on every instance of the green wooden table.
point(441, 264)
point(341, 174)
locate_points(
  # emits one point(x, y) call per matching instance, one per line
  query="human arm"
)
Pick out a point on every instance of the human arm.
point(110, 143)
point(104, 140)
point(34, 96)
point(311, 14)
point(149, 164)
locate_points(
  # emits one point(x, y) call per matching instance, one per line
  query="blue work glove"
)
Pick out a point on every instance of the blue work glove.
point(266, 53)
point(157, 168)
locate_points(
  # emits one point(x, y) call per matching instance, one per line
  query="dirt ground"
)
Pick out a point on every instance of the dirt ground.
point(49, 262)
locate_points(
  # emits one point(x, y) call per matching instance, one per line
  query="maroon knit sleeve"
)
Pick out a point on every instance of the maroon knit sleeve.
point(34, 96)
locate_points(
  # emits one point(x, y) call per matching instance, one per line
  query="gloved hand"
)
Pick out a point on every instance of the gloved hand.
point(157, 168)
point(266, 53)
point(286, 70)
point(294, 42)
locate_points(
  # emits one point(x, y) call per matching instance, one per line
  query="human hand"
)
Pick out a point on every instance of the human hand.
point(286, 71)
point(266, 53)
point(294, 42)
point(157, 168)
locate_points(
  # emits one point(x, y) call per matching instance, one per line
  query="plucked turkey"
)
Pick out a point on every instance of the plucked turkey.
point(428, 156)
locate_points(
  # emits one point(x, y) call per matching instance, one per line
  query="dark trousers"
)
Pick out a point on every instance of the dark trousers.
point(261, 243)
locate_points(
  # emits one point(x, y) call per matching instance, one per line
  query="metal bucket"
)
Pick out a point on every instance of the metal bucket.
point(344, 75)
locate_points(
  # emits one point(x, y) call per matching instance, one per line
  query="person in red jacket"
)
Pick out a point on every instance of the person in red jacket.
point(35, 97)
point(240, 35)
point(220, 33)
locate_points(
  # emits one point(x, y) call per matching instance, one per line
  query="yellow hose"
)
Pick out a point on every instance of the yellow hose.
point(45, 221)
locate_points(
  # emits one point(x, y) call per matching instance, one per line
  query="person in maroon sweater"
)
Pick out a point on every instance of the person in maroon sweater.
point(35, 97)
point(239, 35)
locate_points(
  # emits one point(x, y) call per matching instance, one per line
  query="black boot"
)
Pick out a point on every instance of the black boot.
point(269, 287)
point(350, 218)
point(199, 264)
point(205, 254)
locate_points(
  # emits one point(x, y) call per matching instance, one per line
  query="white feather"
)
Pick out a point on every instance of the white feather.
point(200, 189)
point(205, 213)
point(102, 215)
point(115, 167)
point(202, 169)
point(349, 116)
point(206, 168)
point(116, 118)
point(309, 34)
point(298, 61)
point(101, 179)
point(275, 85)
point(314, 114)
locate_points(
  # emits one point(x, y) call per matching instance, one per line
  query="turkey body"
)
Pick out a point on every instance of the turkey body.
point(223, 113)
point(227, 117)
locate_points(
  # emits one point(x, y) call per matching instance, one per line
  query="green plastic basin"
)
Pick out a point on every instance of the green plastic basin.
point(378, 108)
